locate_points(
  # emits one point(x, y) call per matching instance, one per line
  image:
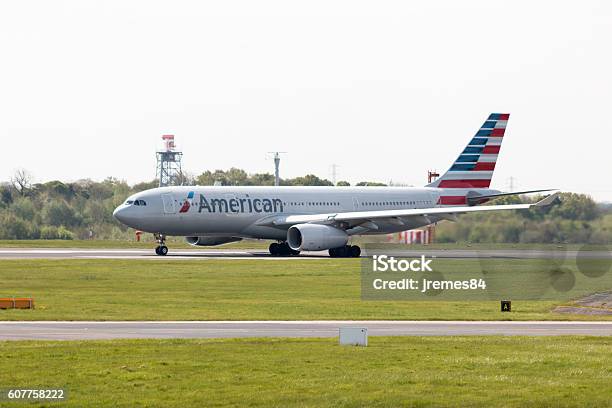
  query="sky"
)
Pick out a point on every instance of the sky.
point(385, 90)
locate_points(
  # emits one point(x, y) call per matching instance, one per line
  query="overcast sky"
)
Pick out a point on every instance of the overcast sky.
point(386, 90)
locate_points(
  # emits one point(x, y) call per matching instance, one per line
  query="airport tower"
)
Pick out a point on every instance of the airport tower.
point(169, 171)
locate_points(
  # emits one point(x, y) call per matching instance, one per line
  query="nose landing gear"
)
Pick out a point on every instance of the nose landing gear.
point(161, 248)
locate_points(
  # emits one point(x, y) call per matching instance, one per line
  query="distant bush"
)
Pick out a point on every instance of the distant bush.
point(52, 232)
point(24, 208)
point(13, 227)
point(60, 213)
point(577, 219)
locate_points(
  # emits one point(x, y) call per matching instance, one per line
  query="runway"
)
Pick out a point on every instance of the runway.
point(182, 254)
point(143, 254)
point(243, 329)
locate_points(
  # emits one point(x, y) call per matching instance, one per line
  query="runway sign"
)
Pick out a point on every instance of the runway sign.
point(353, 336)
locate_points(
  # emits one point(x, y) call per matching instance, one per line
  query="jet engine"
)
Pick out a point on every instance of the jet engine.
point(210, 241)
point(315, 237)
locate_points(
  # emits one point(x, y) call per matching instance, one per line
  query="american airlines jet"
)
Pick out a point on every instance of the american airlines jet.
point(322, 218)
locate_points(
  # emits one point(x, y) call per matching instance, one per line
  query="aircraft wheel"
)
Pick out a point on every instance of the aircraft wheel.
point(347, 251)
point(161, 250)
point(340, 252)
point(285, 250)
point(274, 249)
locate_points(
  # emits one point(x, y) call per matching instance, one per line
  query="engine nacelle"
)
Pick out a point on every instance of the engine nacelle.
point(315, 237)
point(210, 241)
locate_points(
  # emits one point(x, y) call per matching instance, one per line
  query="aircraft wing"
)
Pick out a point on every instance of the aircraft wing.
point(475, 199)
point(357, 217)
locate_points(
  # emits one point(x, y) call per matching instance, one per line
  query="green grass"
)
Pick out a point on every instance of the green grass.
point(560, 371)
point(212, 289)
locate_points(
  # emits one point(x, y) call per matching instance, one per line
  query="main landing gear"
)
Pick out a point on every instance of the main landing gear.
point(281, 249)
point(347, 251)
point(161, 248)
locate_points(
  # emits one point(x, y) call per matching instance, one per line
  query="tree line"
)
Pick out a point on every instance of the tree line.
point(83, 209)
point(576, 219)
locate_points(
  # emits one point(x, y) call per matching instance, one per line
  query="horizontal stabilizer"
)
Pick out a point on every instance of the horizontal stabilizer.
point(550, 200)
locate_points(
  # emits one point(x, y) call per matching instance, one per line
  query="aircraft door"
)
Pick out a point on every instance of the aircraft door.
point(434, 199)
point(355, 204)
point(168, 201)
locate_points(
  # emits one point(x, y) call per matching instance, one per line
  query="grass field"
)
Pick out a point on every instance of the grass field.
point(228, 290)
point(392, 371)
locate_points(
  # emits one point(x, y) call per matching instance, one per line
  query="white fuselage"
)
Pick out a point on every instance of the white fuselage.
point(243, 211)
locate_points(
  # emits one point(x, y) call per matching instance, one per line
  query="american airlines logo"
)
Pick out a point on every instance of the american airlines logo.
point(186, 204)
point(240, 205)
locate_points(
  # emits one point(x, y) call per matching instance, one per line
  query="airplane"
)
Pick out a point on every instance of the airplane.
point(323, 218)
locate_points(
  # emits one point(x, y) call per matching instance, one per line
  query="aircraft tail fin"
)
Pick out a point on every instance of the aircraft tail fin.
point(475, 165)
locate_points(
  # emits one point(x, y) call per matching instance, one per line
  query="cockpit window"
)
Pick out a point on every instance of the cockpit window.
point(136, 202)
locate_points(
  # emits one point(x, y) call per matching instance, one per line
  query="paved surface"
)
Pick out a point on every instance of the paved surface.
point(593, 304)
point(28, 253)
point(589, 311)
point(602, 300)
point(218, 329)
point(6, 253)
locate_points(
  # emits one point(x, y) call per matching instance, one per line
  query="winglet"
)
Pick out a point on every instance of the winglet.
point(545, 202)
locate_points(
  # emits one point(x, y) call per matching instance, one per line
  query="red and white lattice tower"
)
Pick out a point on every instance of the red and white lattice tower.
point(169, 171)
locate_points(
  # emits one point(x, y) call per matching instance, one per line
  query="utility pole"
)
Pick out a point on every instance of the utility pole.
point(511, 184)
point(276, 167)
point(334, 171)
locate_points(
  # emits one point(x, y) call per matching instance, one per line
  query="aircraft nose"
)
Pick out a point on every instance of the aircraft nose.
point(120, 215)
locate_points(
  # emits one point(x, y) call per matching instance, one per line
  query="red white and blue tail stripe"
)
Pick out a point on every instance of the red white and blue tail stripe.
point(474, 166)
